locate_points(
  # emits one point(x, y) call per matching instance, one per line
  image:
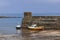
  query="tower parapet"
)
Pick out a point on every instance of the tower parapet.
point(27, 18)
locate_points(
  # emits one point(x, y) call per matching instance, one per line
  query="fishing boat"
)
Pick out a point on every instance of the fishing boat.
point(35, 27)
point(18, 27)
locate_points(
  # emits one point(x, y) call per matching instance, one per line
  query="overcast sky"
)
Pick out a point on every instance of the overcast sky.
point(35, 6)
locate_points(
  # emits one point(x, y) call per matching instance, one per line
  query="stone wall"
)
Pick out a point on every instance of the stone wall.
point(49, 22)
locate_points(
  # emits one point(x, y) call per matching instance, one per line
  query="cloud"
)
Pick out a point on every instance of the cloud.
point(4, 4)
point(10, 6)
point(42, 1)
point(53, 0)
point(19, 6)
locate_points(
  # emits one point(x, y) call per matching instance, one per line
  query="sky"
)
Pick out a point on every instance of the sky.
point(51, 7)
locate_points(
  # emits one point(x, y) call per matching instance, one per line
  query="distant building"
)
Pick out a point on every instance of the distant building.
point(49, 22)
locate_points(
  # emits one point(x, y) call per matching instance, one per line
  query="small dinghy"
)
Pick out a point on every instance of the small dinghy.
point(35, 27)
point(18, 27)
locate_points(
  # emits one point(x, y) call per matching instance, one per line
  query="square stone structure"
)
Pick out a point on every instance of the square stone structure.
point(49, 22)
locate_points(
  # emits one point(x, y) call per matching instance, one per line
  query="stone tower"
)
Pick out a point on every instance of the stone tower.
point(27, 19)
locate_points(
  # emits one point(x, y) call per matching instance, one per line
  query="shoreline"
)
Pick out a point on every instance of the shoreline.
point(43, 35)
point(9, 17)
point(10, 37)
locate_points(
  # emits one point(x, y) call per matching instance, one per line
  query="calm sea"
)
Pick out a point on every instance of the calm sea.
point(8, 25)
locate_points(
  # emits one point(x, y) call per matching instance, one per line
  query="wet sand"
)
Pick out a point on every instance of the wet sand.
point(10, 37)
point(33, 35)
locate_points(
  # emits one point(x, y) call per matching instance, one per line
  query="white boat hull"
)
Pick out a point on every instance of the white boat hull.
point(18, 27)
point(36, 28)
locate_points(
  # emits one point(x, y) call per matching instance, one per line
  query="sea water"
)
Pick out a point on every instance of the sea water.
point(8, 25)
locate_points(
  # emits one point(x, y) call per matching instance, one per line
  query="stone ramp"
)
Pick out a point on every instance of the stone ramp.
point(42, 35)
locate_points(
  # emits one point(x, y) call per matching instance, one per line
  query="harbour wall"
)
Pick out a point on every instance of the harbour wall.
point(49, 22)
